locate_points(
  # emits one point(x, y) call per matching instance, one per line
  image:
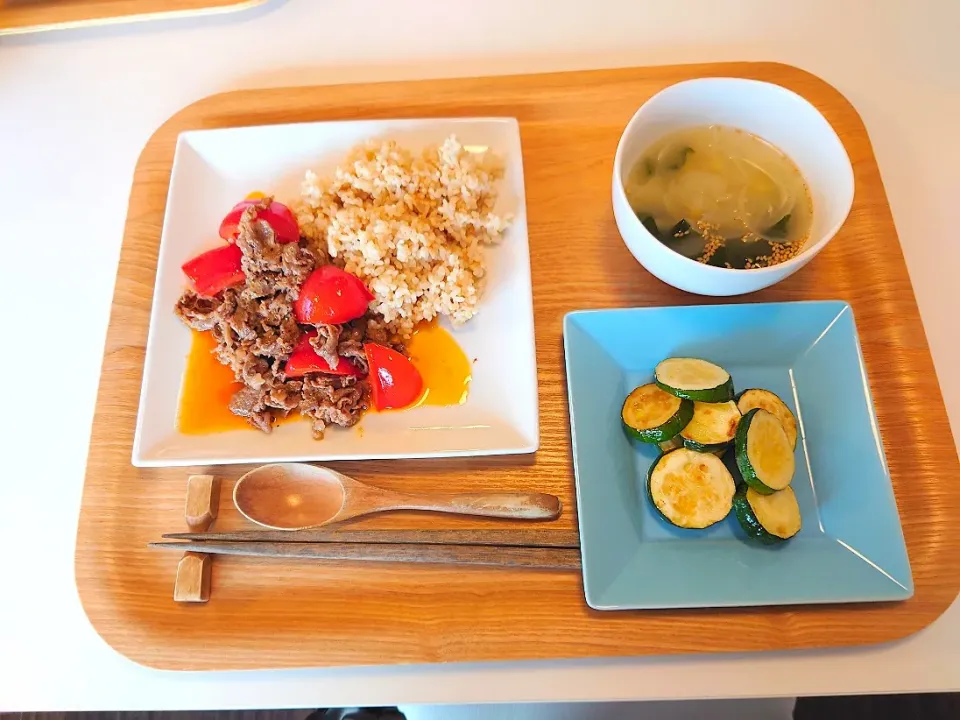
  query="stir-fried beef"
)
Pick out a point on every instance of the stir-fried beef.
point(256, 330)
point(250, 403)
point(198, 312)
point(270, 267)
point(325, 344)
point(285, 395)
point(331, 400)
point(351, 344)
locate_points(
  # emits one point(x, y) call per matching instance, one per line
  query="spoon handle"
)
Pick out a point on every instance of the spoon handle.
point(518, 506)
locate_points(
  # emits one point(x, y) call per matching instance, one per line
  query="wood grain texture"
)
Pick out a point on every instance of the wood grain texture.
point(497, 556)
point(269, 614)
point(26, 16)
point(193, 578)
point(202, 503)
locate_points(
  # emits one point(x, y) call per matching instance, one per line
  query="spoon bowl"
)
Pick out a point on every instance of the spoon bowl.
point(298, 496)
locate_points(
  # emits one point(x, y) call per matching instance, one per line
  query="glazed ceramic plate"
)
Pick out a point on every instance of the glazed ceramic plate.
point(212, 169)
point(850, 548)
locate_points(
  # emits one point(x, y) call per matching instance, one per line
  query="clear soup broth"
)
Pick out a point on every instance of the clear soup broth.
point(721, 196)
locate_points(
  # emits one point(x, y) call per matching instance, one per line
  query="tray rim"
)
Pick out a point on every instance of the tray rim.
point(216, 7)
point(732, 69)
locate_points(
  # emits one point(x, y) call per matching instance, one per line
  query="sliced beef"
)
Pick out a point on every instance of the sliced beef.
point(277, 341)
point(250, 403)
point(270, 267)
point(241, 314)
point(285, 395)
point(198, 312)
point(256, 330)
point(351, 342)
point(325, 343)
point(295, 263)
point(330, 400)
point(248, 367)
point(274, 309)
point(353, 351)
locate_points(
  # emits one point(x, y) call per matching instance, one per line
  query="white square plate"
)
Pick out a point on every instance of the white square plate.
point(211, 170)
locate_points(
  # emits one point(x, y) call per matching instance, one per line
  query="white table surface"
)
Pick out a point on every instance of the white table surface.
point(77, 107)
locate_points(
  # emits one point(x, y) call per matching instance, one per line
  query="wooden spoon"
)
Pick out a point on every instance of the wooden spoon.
point(297, 496)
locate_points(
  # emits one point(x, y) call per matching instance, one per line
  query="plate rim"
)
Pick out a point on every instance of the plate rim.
point(143, 457)
point(896, 592)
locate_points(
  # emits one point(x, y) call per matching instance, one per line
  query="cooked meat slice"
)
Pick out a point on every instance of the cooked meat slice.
point(277, 342)
point(274, 309)
point(289, 333)
point(262, 421)
point(285, 396)
point(375, 330)
point(269, 266)
point(328, 400)
point(295, 264)
point(250, 369)
point(318, 248)
point(198, 312)
point(325, 343)
point(249, 403)
point(258, 243)
point(353, 350)
point(241, 314)
point(317, 426)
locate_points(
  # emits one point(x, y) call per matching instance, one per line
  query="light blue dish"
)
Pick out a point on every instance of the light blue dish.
point(851, 546)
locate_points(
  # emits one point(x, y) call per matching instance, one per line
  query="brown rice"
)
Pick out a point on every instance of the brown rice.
point(411, 227)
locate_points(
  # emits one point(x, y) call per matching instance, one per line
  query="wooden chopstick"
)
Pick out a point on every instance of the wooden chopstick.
point(517, 557)
point(503, 538)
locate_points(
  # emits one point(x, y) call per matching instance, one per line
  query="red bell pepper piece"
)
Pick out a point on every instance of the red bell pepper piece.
point(394, 381)
point(331, 296)
point(215, 270)
point(278, 216)
point(304, 359)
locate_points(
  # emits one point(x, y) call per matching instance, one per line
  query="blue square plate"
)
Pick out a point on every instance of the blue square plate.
point(851, 546)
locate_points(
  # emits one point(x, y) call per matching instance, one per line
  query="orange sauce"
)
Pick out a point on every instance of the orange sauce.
point(208, 385)
point(207, 388)
point(443, 365)
point(206, 392)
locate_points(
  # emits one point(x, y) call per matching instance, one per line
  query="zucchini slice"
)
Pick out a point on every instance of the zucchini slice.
point(764, 455)
point(756, 398)
point(713, 426)
point(690, 489)
point(651, 415)
point(694, 379)
point(677, 442)
point(767, 518)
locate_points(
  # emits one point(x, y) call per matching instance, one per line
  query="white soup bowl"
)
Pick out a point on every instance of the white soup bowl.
point(777, 115)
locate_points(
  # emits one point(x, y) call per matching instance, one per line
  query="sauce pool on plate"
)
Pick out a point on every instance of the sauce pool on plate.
point(208, 385)
point(443, 366)
point(206, 392)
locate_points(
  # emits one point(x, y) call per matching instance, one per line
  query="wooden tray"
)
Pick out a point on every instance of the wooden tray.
point(272, 614)
point(26, 16)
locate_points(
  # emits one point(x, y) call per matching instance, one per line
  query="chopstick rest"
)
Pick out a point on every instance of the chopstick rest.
point(200, 510)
